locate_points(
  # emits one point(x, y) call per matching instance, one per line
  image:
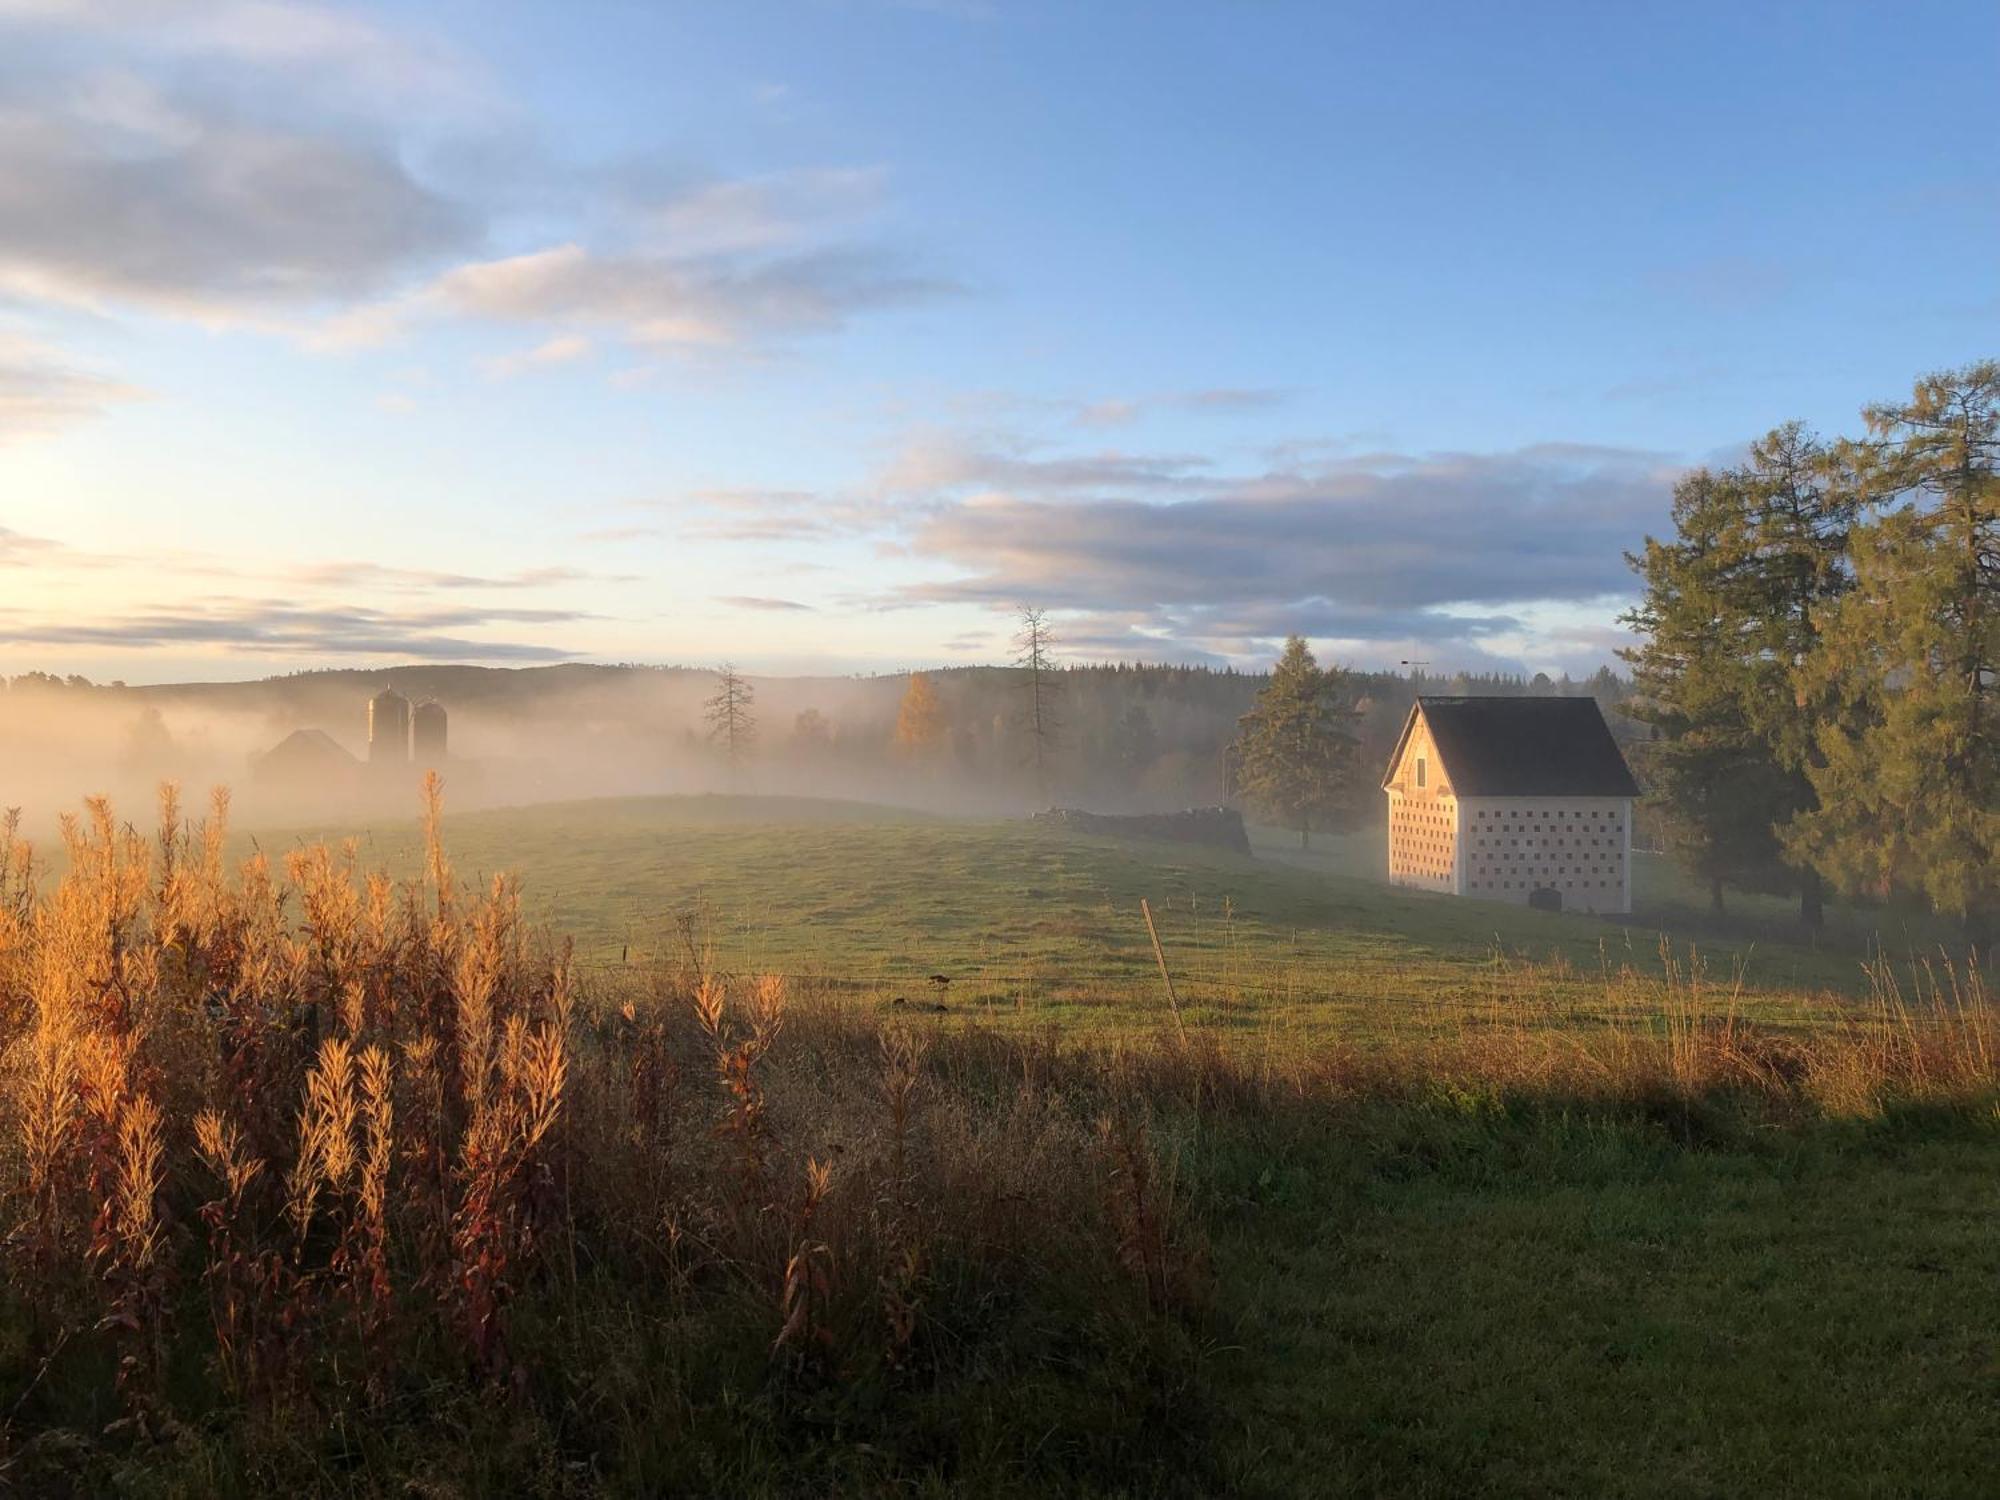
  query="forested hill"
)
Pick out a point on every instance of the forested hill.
point(1122, 736)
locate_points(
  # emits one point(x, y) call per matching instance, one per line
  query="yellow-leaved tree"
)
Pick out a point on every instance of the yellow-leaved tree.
point(920, 725)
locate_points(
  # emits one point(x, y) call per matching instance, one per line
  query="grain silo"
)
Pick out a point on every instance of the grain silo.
point(388, 728)
point(427, 734)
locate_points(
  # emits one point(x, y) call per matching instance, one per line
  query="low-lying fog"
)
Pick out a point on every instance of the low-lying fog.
point(569, 732)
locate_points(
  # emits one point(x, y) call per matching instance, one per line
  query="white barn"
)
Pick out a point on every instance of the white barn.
point(1512, 799)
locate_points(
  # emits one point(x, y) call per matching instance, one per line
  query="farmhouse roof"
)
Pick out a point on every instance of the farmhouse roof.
point(305, 751)
point(1522, 747)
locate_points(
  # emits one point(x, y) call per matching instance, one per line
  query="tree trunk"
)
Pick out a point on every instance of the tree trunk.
point(1812, 900)
point(1305, 835)
point(1715, 895)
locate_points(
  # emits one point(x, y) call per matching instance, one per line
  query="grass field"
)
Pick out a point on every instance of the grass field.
point(1445, 1299)
point(1034, 925)
point(1437, 1198)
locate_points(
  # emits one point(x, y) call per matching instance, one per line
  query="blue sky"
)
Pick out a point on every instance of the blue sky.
point(820, 335)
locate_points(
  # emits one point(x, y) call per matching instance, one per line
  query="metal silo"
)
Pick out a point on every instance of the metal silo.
point(427, 734)
point(389, 728)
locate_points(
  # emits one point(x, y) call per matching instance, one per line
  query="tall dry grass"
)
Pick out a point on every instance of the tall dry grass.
point(316, 1151)
point(313, 1147)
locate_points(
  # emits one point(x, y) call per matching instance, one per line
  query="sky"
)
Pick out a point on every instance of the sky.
point(823, 335)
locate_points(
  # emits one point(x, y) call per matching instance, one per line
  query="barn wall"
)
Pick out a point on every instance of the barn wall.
point(1424, 822)
point(1579, 846)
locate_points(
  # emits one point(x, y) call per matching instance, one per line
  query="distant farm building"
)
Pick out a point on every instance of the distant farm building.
point(388, 728)
point(427, 734)
point(306, 760)
point(1512, 799)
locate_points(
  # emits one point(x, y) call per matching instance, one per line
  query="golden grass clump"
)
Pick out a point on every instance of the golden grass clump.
point(322, 1146)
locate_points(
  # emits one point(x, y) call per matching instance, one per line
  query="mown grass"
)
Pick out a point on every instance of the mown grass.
point(1035, 926)
point(1451, 1297)
point(1407, 1213)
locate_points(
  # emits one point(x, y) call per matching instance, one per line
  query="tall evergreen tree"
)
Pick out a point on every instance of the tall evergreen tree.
point(1294, 756)
point(1909, 776)
point(1792, 539)
point(1709, 780)
point(1034, 644)
point(731, 722)
point(1733, 608)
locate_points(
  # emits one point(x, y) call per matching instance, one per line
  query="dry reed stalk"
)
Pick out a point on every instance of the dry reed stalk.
point(1141, 1206)
point(367, 1258)
point(903, 1053)
point(805, 1289)
point(233, 1274)
point(436, 866)
point(127, 1243)
point(736, 1059)
point(326, 1154)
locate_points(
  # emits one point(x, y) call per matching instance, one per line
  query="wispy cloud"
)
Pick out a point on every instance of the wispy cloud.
point(934, 463)
point(130, 179)
point(18, 550)
point(114, 193)
point(754, 601)
point(1387, 548)
point(266, 627)
point(322, 42)
point(654, 300)
point(732, 215)
point(42, 392)
point(563, 349)
point(1175, 556)
point(350, 575)
point(1119, 411)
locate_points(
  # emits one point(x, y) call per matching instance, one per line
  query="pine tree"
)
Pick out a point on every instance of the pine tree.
point(1035, 644)
point(730, 721)
point(1909, 779)
point(1733, 609)
point(1709, 780)
point(1294, 756)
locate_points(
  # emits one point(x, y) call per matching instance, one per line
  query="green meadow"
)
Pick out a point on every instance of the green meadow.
point(1422, 1197)
point(1032, 925)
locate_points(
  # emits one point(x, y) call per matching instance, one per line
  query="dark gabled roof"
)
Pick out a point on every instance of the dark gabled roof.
point(303, 752)
point(1523, 747)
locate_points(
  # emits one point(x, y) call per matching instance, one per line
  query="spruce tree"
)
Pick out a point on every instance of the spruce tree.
point(731, 723)
point(1710, 780)
point(1294, 756)
point(1733, 610)
point(1909, 773)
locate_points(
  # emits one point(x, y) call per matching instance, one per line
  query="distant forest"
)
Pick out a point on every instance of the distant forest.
point(1120, 737)
point(1811, 707)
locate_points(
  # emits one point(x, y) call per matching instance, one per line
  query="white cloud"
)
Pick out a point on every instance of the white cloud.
point(41, 392)
point(563, 349)
point(1462, 556)
point(123, 195)
point(1118, 411)
point(734, 215)
point(330, 44)
point(651, 300)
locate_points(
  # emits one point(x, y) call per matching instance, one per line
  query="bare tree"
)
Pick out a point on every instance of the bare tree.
point(730, 722)
point(1034, 645)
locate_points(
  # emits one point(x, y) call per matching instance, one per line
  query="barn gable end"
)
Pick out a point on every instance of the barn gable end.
point(1524, 800)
